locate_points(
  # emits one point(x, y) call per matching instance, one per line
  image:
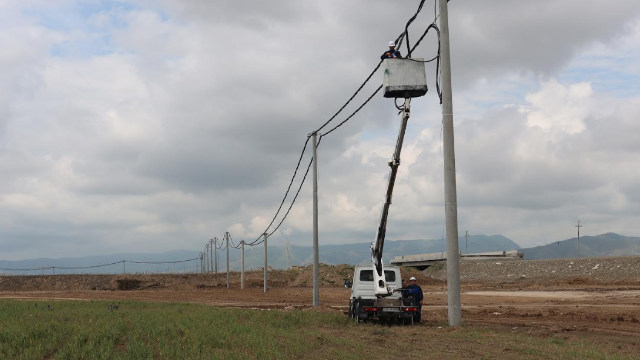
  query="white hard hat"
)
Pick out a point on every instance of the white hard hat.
point(412, 279)
point(391, 43)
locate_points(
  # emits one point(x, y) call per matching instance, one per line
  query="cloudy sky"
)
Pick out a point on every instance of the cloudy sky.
point(155, 125)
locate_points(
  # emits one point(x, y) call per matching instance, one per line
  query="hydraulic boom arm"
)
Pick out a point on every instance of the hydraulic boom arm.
point(381, 288)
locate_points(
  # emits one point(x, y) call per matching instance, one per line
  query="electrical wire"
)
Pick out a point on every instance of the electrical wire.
point(437, 57)
point(304, 148)
point(406, 28)
point(398, 44)
point(99, 265)
point(399, 40)
point(232, 243)
point(258, 240)
point(355, 112)
point(87, 267)
point(163, 262)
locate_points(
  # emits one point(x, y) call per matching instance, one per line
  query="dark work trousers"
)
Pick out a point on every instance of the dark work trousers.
point(418, 317)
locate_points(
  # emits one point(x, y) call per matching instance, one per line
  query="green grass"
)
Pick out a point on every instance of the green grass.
point(87, 330)
point(143, 330)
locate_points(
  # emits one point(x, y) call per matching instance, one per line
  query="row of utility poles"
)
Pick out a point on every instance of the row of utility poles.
point(209, 258)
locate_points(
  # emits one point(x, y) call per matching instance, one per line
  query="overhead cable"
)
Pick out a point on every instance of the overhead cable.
point(304, 148)
point(399, 40)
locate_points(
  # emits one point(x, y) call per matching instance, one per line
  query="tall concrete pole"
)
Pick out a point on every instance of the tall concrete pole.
point(211, 253)
point(316, 257)
point(215, 249)
point(265, 261)
point(206, 257)
point(242, 265)
point(228, 282)
point(450, 195)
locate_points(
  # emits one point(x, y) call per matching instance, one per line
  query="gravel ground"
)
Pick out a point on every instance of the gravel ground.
point(605, 270)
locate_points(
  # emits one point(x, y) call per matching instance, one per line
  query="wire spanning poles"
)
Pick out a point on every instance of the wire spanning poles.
point(70, 269)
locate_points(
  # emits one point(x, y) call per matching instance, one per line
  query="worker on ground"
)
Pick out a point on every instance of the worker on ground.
point(392, 53)
point(418, 295)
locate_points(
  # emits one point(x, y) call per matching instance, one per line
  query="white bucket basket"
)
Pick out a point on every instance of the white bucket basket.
point(404, 78)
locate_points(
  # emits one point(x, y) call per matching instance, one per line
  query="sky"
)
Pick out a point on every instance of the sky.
point(141, 125)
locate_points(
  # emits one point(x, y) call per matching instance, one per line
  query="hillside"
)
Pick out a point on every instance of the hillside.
point(351, 254)
point(608, 244)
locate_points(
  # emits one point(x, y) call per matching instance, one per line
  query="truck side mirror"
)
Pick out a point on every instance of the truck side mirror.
point(348, 283)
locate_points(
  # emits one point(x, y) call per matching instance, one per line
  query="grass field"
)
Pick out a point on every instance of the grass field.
point(142, 330)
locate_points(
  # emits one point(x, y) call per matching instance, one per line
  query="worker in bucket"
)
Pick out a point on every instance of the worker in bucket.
point(418, 296)
point(392, 53)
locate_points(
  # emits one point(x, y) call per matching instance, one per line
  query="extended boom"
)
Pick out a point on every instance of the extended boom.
point(381, 288)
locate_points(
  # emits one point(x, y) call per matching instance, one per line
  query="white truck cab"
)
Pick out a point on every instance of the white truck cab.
point(365, 305)
point(363, 286)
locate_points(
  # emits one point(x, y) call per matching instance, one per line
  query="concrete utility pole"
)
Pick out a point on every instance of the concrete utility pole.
point(450, 195)
point(215, 249)
point(316, 257)
point(265, 261)
point(578, 226)
point(228, 282)
point(211, 254)
point(242, 265)
point(288, 253)
point(466, 242)
point(206, 256)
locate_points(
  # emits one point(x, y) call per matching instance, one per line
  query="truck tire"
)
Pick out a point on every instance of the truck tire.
point(351, 312)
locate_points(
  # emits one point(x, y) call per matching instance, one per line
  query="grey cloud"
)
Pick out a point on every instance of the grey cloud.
point(222, 94)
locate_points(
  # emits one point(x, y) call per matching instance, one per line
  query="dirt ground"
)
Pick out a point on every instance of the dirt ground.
point(564, 306)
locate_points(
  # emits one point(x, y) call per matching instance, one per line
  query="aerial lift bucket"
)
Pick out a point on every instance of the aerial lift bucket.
point(404, 78)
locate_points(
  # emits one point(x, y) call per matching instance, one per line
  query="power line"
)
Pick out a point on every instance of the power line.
point(304, 148)
point(406, 28)
point(350, 116)
point(233, 245)
point(399, 39)
point(99, 265)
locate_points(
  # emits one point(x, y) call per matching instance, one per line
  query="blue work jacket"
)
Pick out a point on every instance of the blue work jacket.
point(387, 54)
point(416, 290)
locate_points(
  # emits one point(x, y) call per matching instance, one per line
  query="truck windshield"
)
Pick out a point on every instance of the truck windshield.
point(367, 275)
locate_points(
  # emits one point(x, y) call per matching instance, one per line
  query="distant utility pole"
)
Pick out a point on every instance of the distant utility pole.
point(316, 256)
point(466, 242)
point(211, 253)
point(242, 265)
point(264, 236)
point(578, 226)
point(206, 256)
point(450, 194)
point(227, 237)
point(215, 249)
point(288, 253)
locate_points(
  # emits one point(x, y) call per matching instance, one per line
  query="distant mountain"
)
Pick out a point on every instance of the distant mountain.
point(608, 244)
point(357, 253)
